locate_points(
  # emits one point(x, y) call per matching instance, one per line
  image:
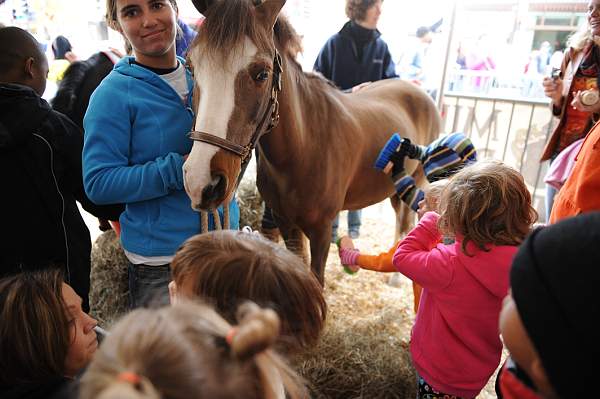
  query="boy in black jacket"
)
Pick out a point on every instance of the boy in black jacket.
point(40, 172)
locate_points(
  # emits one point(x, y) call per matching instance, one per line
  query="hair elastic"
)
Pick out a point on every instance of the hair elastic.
point(130, 377)
point(230, 335)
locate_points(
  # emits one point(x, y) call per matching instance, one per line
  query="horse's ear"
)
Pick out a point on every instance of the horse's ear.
point(268, 11)
point(203, 5)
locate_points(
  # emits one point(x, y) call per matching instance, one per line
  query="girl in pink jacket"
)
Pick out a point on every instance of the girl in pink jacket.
point(455, 343)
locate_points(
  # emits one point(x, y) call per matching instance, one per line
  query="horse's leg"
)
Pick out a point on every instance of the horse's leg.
point(320, 240)
point(268, 226)
point(293, 237)
point(403, 223)
point(405, 217)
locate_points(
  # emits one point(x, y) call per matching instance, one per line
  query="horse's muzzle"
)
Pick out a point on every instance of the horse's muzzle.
point(213, 194)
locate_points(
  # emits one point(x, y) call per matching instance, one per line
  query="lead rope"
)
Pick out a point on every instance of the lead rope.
point(226, 215)
point(203, 222)
point(216, 218)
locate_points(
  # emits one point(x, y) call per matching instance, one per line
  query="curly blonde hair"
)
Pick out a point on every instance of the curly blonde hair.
point(356, 10)
point(487, 203)
point(189, 351)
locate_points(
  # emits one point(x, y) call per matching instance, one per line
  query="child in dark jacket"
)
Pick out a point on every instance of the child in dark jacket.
point(40, 165)
point(544, 322)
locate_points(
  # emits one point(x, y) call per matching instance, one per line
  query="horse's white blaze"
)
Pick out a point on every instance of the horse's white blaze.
point(215, 108)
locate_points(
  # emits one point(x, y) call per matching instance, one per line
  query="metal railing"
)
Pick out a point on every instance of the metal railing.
point(515, 127)
point(494, 83)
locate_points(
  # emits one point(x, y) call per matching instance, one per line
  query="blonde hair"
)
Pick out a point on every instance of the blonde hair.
point(226, 268)
point(434, 192)
point(578, 40)
point(189, 351)
point(488, 204)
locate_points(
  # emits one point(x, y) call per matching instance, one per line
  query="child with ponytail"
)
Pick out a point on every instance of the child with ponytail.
point(189, 351)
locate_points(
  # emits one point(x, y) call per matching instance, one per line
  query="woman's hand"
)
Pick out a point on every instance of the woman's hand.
point(580, 106)
point(553, 88)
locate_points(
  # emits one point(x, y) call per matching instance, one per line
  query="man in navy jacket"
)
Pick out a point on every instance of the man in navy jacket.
point(355, 55)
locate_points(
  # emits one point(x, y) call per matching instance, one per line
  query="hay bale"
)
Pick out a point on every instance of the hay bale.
point(359, 359)
point(108, 279)
point(363, 352)
point(250, 202)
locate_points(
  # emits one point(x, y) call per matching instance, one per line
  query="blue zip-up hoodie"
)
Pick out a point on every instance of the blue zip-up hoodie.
point(339, 60)
point(135, 137)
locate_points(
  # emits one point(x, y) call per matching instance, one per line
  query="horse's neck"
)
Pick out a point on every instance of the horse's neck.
point(300, 100)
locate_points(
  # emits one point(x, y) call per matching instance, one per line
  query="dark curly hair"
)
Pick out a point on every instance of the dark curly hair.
point(356, 10)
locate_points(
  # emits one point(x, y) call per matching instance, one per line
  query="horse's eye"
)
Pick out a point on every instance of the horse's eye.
point(262, 76)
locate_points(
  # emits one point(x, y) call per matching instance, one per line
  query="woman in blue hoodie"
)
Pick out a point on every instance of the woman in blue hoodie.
point(136, 141)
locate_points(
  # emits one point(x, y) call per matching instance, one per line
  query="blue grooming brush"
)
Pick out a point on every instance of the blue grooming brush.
point(383, 160)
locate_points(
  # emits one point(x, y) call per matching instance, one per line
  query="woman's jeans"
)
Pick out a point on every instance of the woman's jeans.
point(148, 285)
point(353, 224)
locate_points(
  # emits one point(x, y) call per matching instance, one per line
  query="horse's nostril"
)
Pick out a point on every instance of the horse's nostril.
point(208, 192)
point(220, 186)
point(214, 190)
point(216, 180)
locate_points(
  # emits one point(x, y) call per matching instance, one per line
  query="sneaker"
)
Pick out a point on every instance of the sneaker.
point(354, 233)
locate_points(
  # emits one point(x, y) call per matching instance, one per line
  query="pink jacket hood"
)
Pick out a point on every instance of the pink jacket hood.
point(490, 268)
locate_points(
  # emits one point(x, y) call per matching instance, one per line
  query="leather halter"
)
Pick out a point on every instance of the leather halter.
point(245, 151)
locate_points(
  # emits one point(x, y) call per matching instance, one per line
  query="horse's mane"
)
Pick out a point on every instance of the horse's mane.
point(229, 22)
point(289, 43)
point(226, 25)
point(286, 37)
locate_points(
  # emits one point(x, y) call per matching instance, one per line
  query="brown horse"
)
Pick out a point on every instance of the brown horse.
point(319, 158)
